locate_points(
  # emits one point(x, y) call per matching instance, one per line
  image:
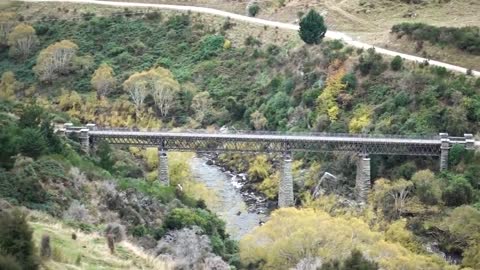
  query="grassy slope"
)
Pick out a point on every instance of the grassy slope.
point(90, 248)
point(369, 21)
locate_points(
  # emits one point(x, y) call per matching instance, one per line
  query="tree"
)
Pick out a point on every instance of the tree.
point(22, 40)
point(165, 89)
point(258, 120)
point(16, 239)
point(397, 63)
point(312, 28)
point(427, 188)
point(55, 59)
point(137, 88)
point(7, 22)
point(32, 143)
point(8, 85)
point(158, 82)
point(103, 80)
point(202, 104)
point(327, 100)
point(458, 192)
point(390, 196)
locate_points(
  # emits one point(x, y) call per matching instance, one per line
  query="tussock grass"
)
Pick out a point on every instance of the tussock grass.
point(89, 251)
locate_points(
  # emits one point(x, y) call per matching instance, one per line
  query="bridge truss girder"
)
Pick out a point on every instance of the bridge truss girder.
point(202, 144)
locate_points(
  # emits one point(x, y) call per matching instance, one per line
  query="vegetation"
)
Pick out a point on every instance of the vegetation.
point(312, 28)
point(16, 244)
point(174, 71)
point(464, 38)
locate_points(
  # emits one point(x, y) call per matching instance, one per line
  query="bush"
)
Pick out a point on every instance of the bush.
point(117, 231)
point(427, 188)
point(397, 63)
point(253, 9)
point(464, 38)
point(181, 218)
point(16, 239)
point(312, 28)
point(350, 80)
point(371, 63)
point(458, 192)
point(8, 262)
point(32, 143)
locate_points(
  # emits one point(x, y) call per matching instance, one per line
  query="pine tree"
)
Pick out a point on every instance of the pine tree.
point(312, 28)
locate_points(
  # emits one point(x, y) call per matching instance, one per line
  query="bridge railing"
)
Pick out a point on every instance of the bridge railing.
point(246, 132)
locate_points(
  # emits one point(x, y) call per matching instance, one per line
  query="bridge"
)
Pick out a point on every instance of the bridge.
point(272, 142)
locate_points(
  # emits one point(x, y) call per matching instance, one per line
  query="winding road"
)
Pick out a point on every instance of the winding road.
point(330, 34)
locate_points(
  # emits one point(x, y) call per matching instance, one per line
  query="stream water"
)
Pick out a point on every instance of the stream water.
point(240, 218)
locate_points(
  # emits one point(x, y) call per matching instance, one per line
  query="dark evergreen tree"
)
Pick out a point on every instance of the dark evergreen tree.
point(397, 63)
point(312, 28)
point(32, 143)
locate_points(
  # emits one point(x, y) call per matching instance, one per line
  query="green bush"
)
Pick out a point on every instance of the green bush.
point(458, 192)
point(350, 80)
point(8, 262)
point(464, 38)
point(371, 63)
point(183, 217)
point(32, 143)
point(427, 188)
point(253, 9)
point(397, 63)
point(16, 239)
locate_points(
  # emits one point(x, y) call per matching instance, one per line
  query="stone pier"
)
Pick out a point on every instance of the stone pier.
point(285, 187)
point(84, 140)
point(444, 148)
point(362, 182)
point(163, 167)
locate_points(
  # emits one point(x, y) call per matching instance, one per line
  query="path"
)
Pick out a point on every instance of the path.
point(330, 34)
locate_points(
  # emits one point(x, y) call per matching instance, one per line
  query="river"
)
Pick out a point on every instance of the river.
point(239, 217)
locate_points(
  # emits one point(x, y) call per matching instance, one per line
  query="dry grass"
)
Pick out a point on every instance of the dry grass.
point(89, 251)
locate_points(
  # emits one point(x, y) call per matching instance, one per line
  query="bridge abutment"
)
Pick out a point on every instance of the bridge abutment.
point(163, 167)
point(362, 181)
point(444, 148)
point(285, 187)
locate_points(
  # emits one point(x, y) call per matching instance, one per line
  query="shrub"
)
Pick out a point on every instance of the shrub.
point(16, 239)
point(350, 80)
point(427, 188)
point(464, 38)
point(8, 262)
point(458, 192)
point(253, 9)
point(182, 217)
point(117, 231)
point(371, 63)
point(312, 28)
point(32, 143)
point(397, 63)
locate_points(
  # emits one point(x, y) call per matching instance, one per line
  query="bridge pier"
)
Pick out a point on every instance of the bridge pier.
point(163, 167)
point(84, 140)
point(285, 187)
point(444, 148)
point(362, 181)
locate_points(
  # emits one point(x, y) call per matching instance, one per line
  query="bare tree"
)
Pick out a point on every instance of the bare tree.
point(22, 40)
point(103, 80)
point(55, 59)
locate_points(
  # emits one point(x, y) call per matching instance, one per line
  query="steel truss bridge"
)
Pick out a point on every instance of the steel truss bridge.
point(274, 142)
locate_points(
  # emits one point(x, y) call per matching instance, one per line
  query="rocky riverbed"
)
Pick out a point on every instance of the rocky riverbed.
point(238, 204)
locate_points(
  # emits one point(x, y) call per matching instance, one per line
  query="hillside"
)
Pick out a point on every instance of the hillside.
point(371, 21)
point(152, 69)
